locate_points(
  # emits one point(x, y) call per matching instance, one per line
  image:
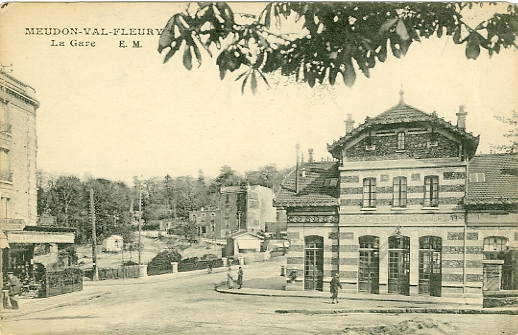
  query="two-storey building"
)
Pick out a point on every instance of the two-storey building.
point(389, 215)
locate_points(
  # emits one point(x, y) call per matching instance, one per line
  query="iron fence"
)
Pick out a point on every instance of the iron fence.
point(153, 270)
point(199, 265)
point(121, 272)
point(61, 282)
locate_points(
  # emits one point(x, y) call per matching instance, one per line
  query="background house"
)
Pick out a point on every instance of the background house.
point(242, 243)
point(113, 243)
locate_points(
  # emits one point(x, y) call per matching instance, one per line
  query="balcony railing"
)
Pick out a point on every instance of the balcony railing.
point(6, 175)
point(5, 127)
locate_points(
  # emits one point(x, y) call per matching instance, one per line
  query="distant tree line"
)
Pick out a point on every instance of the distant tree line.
point(66, 199)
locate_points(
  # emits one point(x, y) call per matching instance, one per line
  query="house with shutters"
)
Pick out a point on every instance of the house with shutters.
point(398, 211)
point(492, 219)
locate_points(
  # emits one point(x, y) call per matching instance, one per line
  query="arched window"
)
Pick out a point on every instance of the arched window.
point(368, 264)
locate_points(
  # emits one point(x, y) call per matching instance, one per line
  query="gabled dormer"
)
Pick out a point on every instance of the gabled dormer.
point(405, 132)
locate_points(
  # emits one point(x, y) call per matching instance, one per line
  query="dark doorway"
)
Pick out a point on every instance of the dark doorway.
point(399, 265)
point(430, 270)
point(313, 263)
point(368, 266)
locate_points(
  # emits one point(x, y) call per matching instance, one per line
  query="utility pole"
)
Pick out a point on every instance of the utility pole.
point(139, 219)
point(94, 238)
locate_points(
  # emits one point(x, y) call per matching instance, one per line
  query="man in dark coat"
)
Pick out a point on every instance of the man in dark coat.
point(333, 287)
point(240, 277)
point(14, 290)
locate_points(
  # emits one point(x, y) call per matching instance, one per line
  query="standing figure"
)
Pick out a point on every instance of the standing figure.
point(14, 290)
point(333, 287)
point(230, 279)
point(240, 277)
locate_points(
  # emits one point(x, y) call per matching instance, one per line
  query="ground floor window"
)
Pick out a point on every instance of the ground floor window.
point(399, 265)
point(368, 265)
point(313, 263)
point(499, 275)
point(430, 273)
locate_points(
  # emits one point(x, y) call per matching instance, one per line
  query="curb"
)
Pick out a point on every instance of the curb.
point(372, 310)
point(13, 315)
point(400, 311)
point(148, 279)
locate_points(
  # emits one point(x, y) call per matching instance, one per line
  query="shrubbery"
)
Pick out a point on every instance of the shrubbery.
point(166, 257)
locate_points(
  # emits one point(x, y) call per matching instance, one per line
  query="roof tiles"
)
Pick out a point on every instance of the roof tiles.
point(500, 181)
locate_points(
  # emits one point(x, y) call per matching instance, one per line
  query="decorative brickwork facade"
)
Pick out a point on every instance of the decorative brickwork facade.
point(397, 221)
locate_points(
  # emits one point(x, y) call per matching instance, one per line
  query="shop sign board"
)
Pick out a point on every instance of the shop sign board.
point(39, 237)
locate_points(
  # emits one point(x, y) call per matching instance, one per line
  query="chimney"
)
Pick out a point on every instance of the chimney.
point(349, 124)
point(461, 118)
point(310, 152)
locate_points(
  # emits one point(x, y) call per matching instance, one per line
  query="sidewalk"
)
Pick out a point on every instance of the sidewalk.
point(273, 286)
point(267, 282)
point(91, 290)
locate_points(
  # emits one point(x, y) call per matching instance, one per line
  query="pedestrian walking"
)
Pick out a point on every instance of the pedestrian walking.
point(333, 287)
point(230, 279)
point(240, 277)
point(14, 290)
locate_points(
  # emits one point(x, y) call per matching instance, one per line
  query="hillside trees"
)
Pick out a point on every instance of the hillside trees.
point(67, 200)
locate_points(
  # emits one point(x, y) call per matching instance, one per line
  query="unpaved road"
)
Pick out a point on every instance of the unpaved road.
point(191, 306)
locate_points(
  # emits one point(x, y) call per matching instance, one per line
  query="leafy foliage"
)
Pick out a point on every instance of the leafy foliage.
point(165, 257)
point(512, 134)
point(333, 37)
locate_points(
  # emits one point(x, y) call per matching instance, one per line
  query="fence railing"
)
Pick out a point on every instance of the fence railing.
point(61, 281)
point(159, 269)
point(199, 265)
point(121, 272)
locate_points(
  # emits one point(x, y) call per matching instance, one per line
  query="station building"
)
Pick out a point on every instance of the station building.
point(405, 208)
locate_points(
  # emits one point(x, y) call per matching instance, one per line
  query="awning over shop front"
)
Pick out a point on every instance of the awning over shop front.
point(3, 241)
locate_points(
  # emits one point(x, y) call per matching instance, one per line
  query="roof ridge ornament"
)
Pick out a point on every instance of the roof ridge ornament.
point(401, 96)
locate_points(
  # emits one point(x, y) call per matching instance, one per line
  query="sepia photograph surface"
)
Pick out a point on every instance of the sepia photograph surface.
point(252, 168)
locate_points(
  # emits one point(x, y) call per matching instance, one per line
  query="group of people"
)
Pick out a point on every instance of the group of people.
point(230, 278)
point(15, 288)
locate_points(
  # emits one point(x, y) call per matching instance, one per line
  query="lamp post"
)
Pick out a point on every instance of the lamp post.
point(139, 220)
point(95, 275)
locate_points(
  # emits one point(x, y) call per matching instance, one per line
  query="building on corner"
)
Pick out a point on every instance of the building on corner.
point(27, 241)
point(399, 211)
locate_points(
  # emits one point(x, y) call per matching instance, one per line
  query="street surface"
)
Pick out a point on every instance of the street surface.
point(190, 305)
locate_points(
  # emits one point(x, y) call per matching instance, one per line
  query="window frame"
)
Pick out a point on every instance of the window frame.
point(369, 193)
point(431, 191)
point(400, 192)
point(401, 140)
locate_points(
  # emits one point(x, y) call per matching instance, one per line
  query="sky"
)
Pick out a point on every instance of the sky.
point(116, 113)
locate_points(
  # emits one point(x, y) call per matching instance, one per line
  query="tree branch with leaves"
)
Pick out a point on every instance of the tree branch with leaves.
point(334, 38)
